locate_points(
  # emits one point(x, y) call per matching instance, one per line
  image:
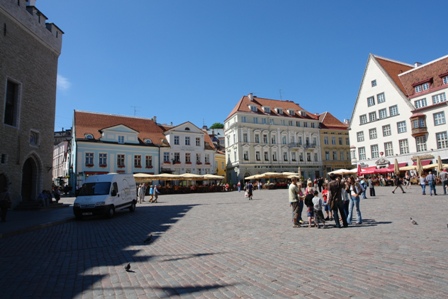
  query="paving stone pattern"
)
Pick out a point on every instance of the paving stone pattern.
point(221, 245)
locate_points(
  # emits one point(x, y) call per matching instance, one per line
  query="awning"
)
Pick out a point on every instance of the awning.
point(403, 164)
point(424, 162)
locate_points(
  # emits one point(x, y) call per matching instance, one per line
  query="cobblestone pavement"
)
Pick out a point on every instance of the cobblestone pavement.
point(221, 245)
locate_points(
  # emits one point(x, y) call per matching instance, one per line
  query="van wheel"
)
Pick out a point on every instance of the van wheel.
point(78, 216)
point(132, 207)
point(110, 212)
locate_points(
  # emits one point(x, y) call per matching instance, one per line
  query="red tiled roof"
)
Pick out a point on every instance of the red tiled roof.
point(92, 123)
point(393, 69)
point(328, 121)
point(431, 72)
point(244, 102)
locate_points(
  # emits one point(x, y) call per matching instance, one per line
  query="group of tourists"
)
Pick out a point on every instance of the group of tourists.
point(153, 193)
point(339, 198)
point(430, 179)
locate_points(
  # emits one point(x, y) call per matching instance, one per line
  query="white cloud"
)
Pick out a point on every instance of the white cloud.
point(63, 83)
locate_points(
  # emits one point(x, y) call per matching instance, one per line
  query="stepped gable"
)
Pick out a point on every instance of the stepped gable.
point(92, 123)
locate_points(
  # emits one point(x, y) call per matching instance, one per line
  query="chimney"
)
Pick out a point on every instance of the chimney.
point(31, 3)
point(154, 119)
point(417, 64)
point(251, 97)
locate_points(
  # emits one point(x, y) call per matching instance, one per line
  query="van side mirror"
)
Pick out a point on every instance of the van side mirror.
point(113, 193)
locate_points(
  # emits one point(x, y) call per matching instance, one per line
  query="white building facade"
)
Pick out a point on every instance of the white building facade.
point(265, 135)
point(190, 151)
point(400, 112)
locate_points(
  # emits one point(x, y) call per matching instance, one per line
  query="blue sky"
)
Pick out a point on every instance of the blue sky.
point(192, 60)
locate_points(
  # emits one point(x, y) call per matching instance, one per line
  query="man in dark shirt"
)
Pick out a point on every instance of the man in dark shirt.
point(335, 200)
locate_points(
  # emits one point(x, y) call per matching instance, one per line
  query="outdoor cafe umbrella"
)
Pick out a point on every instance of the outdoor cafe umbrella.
point(396, 167)
point(341, 171)
point(254, 177)
point(143, 177)
point(439, 164)
point(419, 166)
point(213, 177)
point(190, 177)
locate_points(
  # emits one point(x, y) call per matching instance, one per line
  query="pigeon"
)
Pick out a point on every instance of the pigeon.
point(128, 267)
point(148, 239)
point(413, 221)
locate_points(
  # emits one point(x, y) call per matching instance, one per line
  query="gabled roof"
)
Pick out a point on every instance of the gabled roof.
point(92, 123)
point(432, 72)
point(393, 69)
point(328, 121)
point(244, 103)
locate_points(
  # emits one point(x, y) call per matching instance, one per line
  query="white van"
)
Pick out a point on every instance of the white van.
point(104, 194)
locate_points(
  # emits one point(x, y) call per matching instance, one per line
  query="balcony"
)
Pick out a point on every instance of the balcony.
point(421, 131)
point(310, 145)
point(294, 144)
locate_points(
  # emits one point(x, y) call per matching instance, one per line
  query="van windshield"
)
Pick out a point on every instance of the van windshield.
point(102, 188)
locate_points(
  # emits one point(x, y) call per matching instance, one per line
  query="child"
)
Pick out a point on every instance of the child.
point(328, 211)
point(309, 205)
point(317, 205)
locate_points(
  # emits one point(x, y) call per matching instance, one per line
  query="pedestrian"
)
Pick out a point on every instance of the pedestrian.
point(345, 193)
point(151, 193)
point(5, 203)
point(371, 186)
point(156, 193)
point(294, 193)
point(422, 180)
point(239, 186)
point(317, 205)
point(355, 192)
point(444, 178)
point(363, 185)
point(141, 193)
point(335, 200)
point(309, 205)
point(249, 190)
point(328, 211)
point(431, 179)
point(398, 183)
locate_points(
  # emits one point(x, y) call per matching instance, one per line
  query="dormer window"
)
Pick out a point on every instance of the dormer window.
point(266, 109)
point(148, 141)
point(253, 108)
point(88, 136)
point(279, 110)
point(421, 87)
point(445, 80)
point(291, 112)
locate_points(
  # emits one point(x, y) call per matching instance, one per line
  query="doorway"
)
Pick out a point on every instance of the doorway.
point(29, 180)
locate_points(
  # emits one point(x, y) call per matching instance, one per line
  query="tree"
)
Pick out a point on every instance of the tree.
point(217, 126)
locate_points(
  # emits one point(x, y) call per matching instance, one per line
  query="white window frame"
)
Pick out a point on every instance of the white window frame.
point(393, 110)
point(404, 146)
point(387, 131)
point(380, 98)
point(388, 149)
point(382, 113)
point(442, 140)
point(439, 98)
point(439, 118)
point(401, 127)
point(374, 151)
point(372, 134)
point(360, 136)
